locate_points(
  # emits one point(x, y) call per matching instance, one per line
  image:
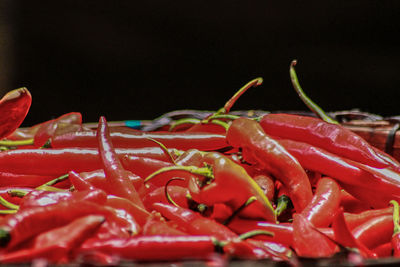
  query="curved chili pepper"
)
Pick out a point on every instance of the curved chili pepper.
point(266, 152)
point(352, 204)
point(375, 232)
point(331, 137)
point(324, 204)
point(57, 244)
point(79, 183)
point(308, 241)
point(233, 186)
point(128, 138)
point(344, 237)
point(15, 104)
point(346, 171)
point(194, 223)
point(116, 175)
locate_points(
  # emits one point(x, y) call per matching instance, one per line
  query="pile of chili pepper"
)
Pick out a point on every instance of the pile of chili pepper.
point(279, 187)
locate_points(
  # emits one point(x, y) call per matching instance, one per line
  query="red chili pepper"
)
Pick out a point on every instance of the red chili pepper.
point(384, 250)
point(194, 223)
point(23, 180)
point(325, 203)
point(144, 167)
point(331, 137)
point(178, 194)
point(267, 184)
point(375, 232)
point(154, 248)
point(19, 227)
point(310, 242)
point(123, 205)
point(56, 245)
point(344, 237)
point(155, 226)
point(347, 172)
point(14, 107)
point(97, 178)
point(352, 204)
point(355, 219)
point(266, 152)
point(79, 183)
point(283, 232)
point(233, 186)
point(53, 161)
point(45, 198)
point(69, 122)
point(128, 138)
point(116, 175)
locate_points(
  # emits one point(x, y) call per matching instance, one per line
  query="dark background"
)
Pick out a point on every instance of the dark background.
point(139, 59)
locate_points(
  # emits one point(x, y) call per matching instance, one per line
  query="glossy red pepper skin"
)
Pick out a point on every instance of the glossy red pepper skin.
point(19, 227)
point(23, 180)
point(155, 248)
point(194, 223)
point(140, 214)
point(331, 137)
point(324, 204)
point(355, 219)
point(56, 245)
point(233, 186)
point(116, 175)
point(267, 153)
point(69, 122)
point(283, 232)
point(177, 193)
point(310, 242)
point(344, 236)
point(267, 184)
point(37, 161)
point(347, 172)
point(395, 243)
point(129, 138)
point(375, 232)
point(45, 198)
point(14, 107)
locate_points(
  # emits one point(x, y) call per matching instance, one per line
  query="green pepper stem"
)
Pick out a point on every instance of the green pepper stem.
point(8, 204)
point(228, 105)
point(253, 233)
point(164, 149)
point(167, 195)
point(204, 171)
point(183, 121)
point(5, 212)
point(283, 203)
point(24, 142)
point(396, 215)
point(309, 103)
point(17, 192)
point(55, 181)
point(238, 210)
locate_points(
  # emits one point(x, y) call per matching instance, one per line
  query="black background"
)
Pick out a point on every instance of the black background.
point(139, 59)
